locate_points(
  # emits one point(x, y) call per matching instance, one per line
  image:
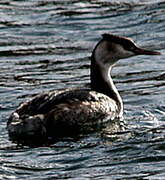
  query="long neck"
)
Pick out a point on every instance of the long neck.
point(102, 82)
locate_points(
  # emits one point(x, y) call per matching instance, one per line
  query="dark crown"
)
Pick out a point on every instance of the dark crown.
point(125, 42)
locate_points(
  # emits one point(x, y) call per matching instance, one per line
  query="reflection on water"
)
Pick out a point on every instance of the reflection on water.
point(46, 45)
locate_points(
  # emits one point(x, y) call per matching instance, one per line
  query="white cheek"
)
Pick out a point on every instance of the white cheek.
point(106, 58)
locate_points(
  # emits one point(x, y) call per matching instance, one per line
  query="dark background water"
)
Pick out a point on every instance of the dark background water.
point(45, 45)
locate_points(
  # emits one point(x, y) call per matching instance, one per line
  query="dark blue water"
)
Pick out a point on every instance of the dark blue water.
point(46, 45)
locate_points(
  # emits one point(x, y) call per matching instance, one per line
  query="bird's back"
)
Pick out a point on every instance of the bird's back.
point(60, 113)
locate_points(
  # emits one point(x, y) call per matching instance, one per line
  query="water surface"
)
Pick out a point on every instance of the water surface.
point(46, 45)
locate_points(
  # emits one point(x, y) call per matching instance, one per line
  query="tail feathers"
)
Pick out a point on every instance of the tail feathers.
point(31, 128)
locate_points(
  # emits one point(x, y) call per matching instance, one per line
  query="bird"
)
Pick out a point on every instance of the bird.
point(71, 112)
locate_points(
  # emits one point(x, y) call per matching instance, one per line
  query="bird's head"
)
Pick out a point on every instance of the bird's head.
point(112, 48)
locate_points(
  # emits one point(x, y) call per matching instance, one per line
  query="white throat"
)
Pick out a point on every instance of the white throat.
point(105, 59)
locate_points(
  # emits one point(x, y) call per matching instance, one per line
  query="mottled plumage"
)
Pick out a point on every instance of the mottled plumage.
point(58, 114)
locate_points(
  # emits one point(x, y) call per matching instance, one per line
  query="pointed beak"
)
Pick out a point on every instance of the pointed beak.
point(140, 51)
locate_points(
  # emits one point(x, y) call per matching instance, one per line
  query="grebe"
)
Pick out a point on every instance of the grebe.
point(76, 111)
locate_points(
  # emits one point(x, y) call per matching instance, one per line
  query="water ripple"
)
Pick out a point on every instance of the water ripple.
point(47, 45)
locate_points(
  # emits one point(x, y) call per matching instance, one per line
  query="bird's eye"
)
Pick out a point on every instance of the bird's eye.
point(131, 48)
